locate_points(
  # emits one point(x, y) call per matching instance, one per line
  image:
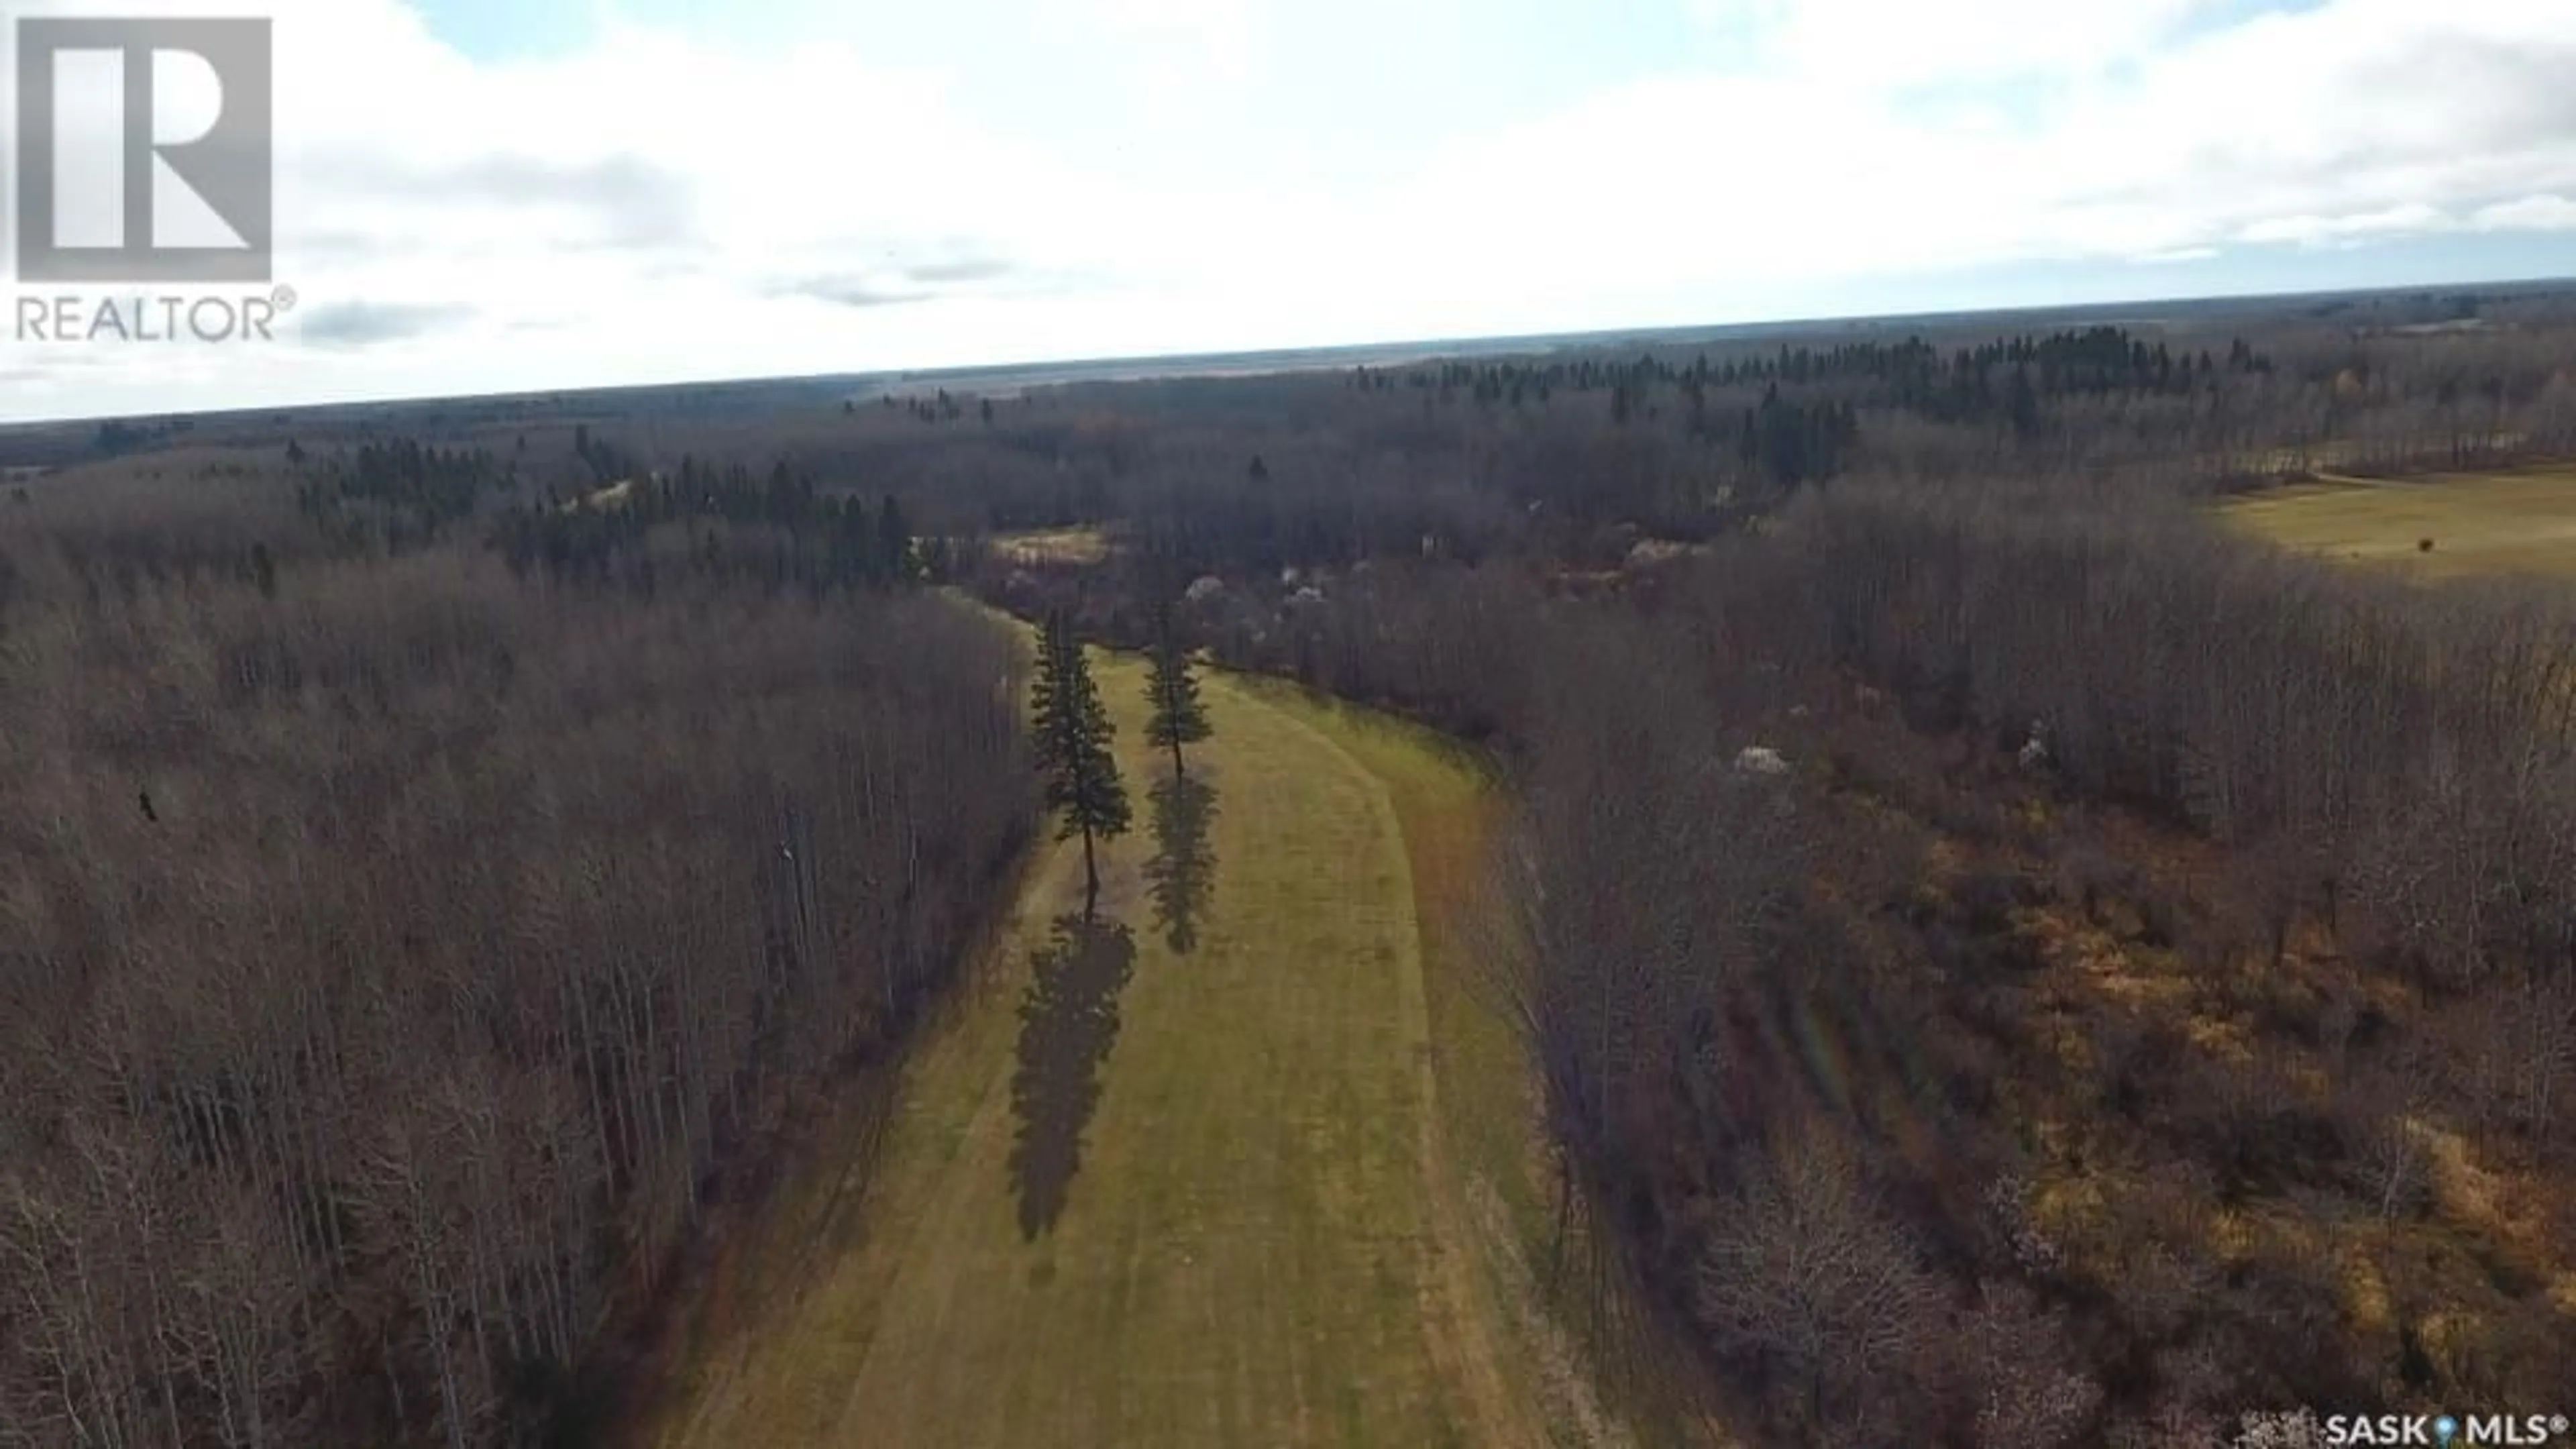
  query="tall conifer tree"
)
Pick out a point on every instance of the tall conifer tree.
point(1073, 735)
point(1177, 717)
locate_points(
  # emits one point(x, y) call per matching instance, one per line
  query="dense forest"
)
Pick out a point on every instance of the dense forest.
point(2005, 961)
point(399, 953)
point(2103, 996)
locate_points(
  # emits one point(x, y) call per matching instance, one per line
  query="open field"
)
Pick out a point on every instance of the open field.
point(2522, 521)
point(1188, 1186)
point(1059, 547)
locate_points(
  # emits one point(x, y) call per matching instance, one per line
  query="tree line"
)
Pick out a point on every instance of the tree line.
point(398, 957)
point(1910, 372)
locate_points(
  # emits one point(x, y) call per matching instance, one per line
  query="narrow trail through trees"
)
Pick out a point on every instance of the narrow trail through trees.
point(1199, 1195)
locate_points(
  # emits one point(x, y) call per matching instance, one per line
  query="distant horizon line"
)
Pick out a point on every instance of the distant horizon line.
point(1182, 365)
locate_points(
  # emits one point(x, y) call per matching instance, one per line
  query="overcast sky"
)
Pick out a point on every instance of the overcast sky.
point(481, 195)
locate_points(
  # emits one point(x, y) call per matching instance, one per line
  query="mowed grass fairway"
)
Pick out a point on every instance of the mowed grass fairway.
point(1272, 1231)
point(2522, 521)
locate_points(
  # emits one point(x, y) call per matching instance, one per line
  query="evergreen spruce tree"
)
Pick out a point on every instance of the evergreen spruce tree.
point(1046, 699)
point(1073, 734)
point(1177, 717)
point(894, 542)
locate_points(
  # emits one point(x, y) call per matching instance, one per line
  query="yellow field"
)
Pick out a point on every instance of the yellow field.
point(1056, 547)
point(2518, 522)
point(1261, 1180)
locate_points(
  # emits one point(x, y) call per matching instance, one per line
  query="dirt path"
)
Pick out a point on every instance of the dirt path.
point(1178, 1175)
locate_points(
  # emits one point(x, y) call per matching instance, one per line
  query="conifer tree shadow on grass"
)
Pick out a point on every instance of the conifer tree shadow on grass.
point(1068, 1024)
point(1182, 874)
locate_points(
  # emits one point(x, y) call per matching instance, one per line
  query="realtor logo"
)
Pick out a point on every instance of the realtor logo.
point(143, 150)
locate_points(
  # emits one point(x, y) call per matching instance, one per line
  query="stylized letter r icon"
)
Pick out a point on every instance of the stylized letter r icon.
point(144, 150)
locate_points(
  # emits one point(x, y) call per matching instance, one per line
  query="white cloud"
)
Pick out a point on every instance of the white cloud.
point(2412, 219)
point(2529, 213)
point(1874, 45)
point(2359, 119)
point(1218, 35)
point(662, 204)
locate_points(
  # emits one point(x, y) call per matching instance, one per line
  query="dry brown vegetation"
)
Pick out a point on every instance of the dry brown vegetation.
point(395, 957)
point(2214, 1062)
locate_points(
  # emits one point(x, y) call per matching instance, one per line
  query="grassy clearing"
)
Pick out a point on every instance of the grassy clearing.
point(1492, 1179)
point(1060, 547)
point(1277, 1139)
point(2522, 521)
